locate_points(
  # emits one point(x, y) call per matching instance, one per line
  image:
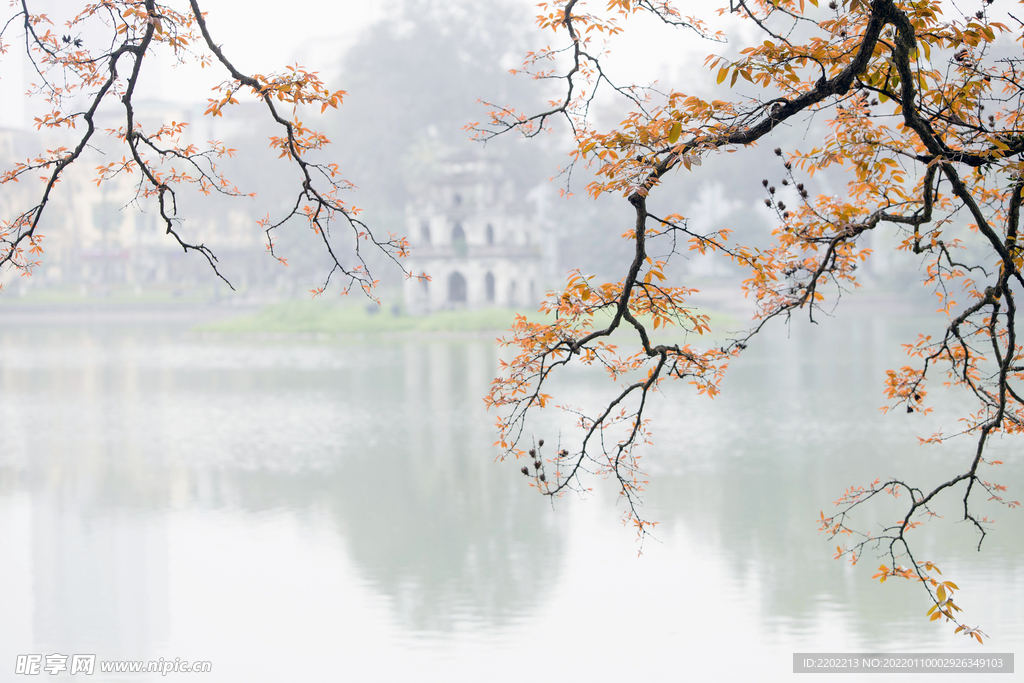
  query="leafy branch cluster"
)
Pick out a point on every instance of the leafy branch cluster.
point(75, 79)
point(924, 114)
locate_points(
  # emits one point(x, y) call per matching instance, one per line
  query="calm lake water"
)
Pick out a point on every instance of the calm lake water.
point(316, 510)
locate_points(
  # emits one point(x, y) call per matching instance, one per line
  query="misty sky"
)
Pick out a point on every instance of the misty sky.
point(258, 36)
point(264, 36)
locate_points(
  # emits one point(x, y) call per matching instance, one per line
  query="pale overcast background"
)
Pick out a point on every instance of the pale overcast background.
point(260, 37)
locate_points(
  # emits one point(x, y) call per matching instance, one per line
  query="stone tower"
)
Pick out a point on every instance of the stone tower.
point(479, 242)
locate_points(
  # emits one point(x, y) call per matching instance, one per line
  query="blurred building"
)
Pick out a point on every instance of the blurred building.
point(477, 239)
point(108, 234)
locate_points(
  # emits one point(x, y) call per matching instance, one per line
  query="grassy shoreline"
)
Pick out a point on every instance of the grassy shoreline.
point(316, 317)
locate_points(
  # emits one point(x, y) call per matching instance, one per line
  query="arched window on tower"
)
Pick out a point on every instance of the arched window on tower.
point(489, 287)
point(425, 231)
point(459, 240)
point(456, 288)
point(490, 234)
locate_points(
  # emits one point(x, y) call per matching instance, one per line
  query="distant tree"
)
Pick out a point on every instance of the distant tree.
point(924, 115)
point(415, 78)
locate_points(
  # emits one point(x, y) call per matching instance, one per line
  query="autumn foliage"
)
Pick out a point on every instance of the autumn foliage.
point(923, 103)
point(74, 81)
point(923, 108)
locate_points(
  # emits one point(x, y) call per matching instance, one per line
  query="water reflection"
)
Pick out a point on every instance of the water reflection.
point(746, 475)
point(338, 498)
point(798, 422)
point(110, 430)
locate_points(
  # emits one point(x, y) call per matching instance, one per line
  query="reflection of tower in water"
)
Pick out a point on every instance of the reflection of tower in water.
point(441, 529)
